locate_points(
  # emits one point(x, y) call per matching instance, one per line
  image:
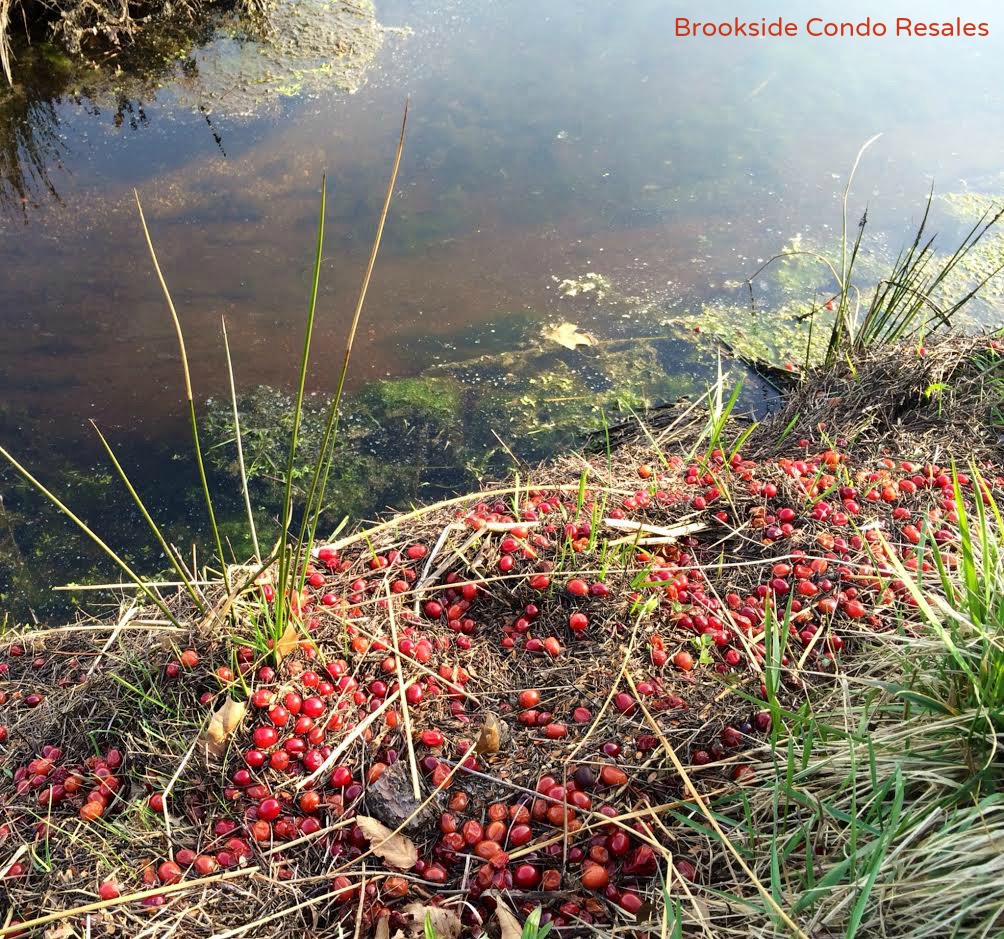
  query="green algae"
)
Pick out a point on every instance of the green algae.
point(40, 547)
point(590, 284)
point(390, 434)
point(789, 335)
point(419, 437)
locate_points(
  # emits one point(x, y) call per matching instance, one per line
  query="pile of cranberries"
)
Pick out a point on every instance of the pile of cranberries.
point(544, 607)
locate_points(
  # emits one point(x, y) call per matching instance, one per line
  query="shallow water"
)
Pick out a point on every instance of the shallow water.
point(544, 141)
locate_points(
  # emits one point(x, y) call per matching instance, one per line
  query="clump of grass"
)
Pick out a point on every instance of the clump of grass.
point(869, 816)
point(292, 558)
point(907, 304)
point(963, 605)
point(294, 574)
point(878, 808)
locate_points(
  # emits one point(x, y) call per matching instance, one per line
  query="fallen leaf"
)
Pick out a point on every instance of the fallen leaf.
point(382, 930)
point(225, 720)
point(445, 922)
point(508, 924)
point(569, 336)
point(287, 642)
point(491, 735)
point(396, 849)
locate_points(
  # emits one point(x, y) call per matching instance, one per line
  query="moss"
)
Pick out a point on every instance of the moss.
point(55, 59)
point(392, 435)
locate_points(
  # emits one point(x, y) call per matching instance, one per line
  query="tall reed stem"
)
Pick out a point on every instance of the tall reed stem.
point(318, 484)
point(188, 387)
point(287, 501)
point(240, 445)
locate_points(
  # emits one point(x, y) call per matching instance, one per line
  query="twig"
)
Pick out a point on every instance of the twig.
point(416, 787)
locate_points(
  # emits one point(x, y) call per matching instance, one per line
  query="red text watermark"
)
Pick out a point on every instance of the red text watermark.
point(817, 26)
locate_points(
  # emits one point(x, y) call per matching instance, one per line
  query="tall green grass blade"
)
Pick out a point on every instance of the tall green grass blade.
point(880, 852)
point(322, 469)
point(188, 386)
point(672, 914)
point(844, 266)
point(532, 928)
point(286, 517)
point(284, 585)
point(169, 552)
point(240, 446)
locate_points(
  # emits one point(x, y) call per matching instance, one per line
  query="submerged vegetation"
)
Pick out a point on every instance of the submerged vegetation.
point(450, 427)
point(714, 675)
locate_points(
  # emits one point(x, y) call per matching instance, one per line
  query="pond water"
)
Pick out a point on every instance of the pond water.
point(546, 141)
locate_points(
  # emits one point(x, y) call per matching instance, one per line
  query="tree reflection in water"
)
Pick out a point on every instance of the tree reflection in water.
point(30, 147)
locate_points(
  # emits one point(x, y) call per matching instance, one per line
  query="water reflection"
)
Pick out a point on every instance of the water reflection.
point(31, 149)
point(29, 145)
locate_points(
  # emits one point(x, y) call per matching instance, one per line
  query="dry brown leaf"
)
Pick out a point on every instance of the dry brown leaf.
point(569, 336)
point(287, 642)
point(491, 735)
point(445, 922)
point(225, 720)
point(382, 930)
point(396, 849)
point(508, 924)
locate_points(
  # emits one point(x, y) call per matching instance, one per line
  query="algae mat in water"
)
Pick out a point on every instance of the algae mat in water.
point(454, 424)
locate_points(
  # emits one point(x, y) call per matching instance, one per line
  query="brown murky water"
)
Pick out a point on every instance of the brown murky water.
point(542, 143)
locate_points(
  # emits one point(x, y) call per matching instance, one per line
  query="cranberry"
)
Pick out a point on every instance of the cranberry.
point(265, 737)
